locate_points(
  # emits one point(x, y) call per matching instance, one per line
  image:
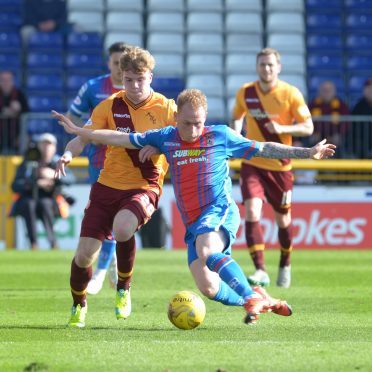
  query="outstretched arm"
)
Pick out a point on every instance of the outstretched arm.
point(102, 136)
point(273, 150)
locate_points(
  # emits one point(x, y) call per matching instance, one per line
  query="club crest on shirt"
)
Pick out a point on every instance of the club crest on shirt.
point(209, 137)
point(151, 117)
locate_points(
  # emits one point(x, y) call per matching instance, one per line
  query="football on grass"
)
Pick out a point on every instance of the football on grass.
point(186, 310)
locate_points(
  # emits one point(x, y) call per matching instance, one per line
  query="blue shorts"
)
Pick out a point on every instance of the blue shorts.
point(218, 217)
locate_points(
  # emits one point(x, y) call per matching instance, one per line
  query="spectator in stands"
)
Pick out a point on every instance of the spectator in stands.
point(327, 103)
point(13, 103)
point(361, 134)
point(364, 105)
point(38, 193)
point(44, 16)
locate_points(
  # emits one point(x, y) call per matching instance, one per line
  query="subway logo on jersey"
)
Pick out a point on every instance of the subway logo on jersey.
point(190, 153)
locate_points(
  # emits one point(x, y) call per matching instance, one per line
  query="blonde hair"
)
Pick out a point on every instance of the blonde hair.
point(193, 96)
point(267, 52)
point(137, 60)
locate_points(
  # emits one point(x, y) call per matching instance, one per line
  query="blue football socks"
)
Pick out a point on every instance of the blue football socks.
point(227, 296)
point(230, 272)
point(105, 256)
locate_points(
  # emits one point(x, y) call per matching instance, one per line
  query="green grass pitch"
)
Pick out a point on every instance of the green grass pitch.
point(330, 330)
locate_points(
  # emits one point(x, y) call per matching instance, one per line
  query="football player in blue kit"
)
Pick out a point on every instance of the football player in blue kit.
point(197, 157)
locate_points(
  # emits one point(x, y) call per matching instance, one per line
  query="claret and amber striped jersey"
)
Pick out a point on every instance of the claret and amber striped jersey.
point(122, 169)
point(284, 104)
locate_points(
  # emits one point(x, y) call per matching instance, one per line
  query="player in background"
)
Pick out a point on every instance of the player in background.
point(127, 191)
point(89, 96)
point(274, 111)
point(197, 157)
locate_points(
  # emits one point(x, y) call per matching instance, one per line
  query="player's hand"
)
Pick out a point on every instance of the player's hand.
point(146, 153)
point(66, 123)
point(62, 162)
point(274, 127)
point(322, 150)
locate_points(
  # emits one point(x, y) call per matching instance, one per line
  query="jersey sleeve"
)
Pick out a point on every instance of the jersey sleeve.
point(239, 105)
point(100, 115)
point(80, 104)
point(238, 146)
point(153, 137)
point(300, 110)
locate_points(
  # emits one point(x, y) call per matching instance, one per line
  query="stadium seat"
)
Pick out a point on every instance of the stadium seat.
point(359, 62)
point(132, 38)
point(243, 22)
point(211, 84)
point(324, 22)
point(168, 86)
point(11, 5)
point(12, 60)
point(44, 60)
point(197, 63)
point(358, 42)
point(320, 41)
point(162, 5)
point(84, 61)
point(216, 109)
point(98, 5)
point(205, 5)
point(84, 41)
point(324, 61)
point(45, 40)
point(166, 21)
point(320, 5)
point(124, 21)
point(87, 21)
point(315, 80)
point(165, 42)
point(238, 5)
point(351, 5)
point(297, 80)
point(235, 81)
point(288, 5)
point(74, 83)
point(356, 83)
point(293, 63)
point(287, 43)
point(136, 5)
point(38, 103)
point(10, 41)
point(294, 22)
point(204, 22)
point(359, 22)
point(38, 126)
point(205, 42)
point(169, 64)
point(243, 43)
point(10, 21)
point(240, 63)
point(40, 82)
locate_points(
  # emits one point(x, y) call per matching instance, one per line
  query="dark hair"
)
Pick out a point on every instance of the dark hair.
point(118, 47)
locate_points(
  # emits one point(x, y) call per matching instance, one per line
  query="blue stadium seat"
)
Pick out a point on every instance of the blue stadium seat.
point(84, 41)
point(74, 83)
point(45, 40)
point(359, 42)
point(324, 61)
point(10, 21)
point(43, 82)
point(10, 61)
point(10, 41)
point(357, 63)
point(84, 61)
point(168, 86)
point(324, 22)
point(38, 126)
point(356, 83)
point(314, 82)
point(45, 60)
point(359, 22)
point(357, 5)
point(322, 5)
point(321, 41)
point(43, 103)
